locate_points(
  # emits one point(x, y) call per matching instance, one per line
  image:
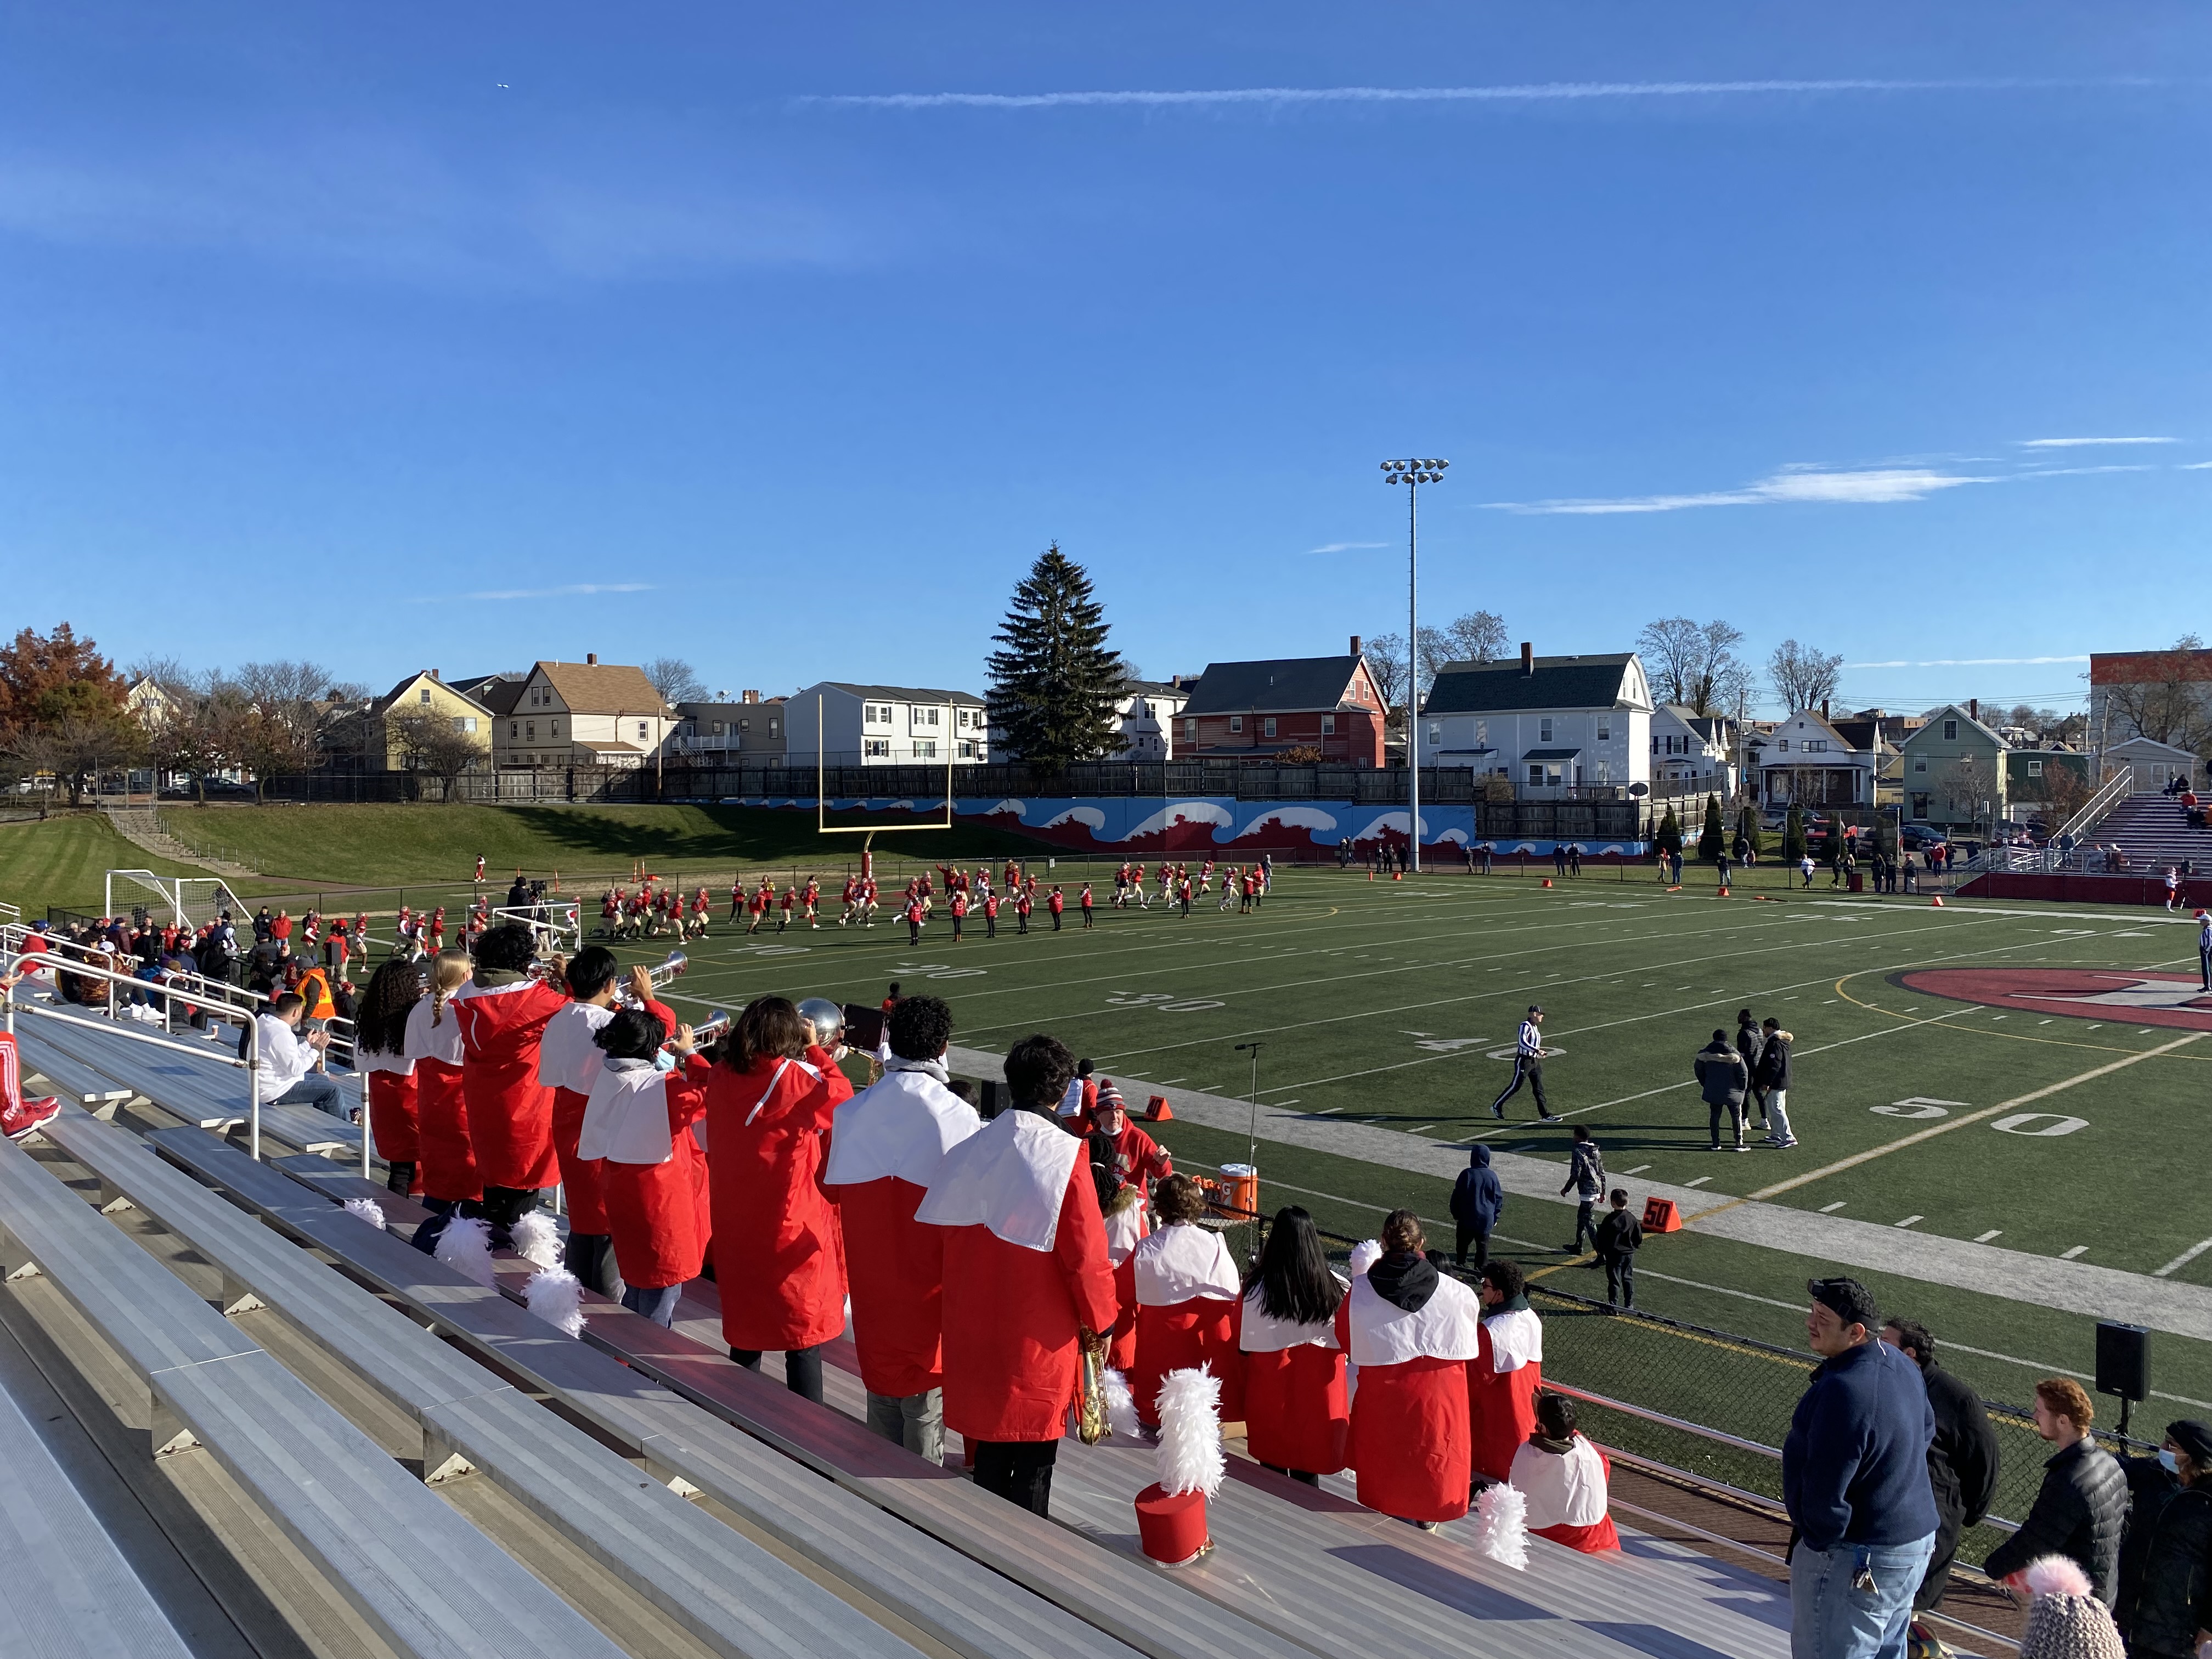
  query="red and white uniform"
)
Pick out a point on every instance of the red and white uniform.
point(510, 1111)
point(1566, 1494)
point(1137, 1158)
point(1025, 1274)
point(1075, 1106)
point(886, 1146)
point(1298, 1413)
point(779, 1258)
point(636, 1132)
point(569, 1063)
point(449, 1164)
point(1127, 1224)
point(1501, 1388)
point(1409, 1420)
point(1187, 1292)
point(392, 1113)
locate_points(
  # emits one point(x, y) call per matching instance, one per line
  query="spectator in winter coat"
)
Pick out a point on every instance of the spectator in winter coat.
point(1748, 1043)
point(2083, 1502)
point(1720, 1077)
point(1617, 1238)
point(2151, 1484)
point(1586, 1179)
point(1962, 1459)
point(1477, 1201)
point(1855, 1482)
point(1773, 1076)
point(2170, 1615)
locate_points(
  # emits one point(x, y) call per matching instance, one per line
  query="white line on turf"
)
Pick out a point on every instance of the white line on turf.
point(1909, 1221)
point(1699, 1181)
point(2184, 1259)
point(1983, 1238)
point(1638, 1169)
point(2068, 1256)
point(1830, 1209)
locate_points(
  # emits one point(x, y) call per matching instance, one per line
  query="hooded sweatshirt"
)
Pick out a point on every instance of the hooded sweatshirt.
point(1405, 1279)
point(1478, 1199)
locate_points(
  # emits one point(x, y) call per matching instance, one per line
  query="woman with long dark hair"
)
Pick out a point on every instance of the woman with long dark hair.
point(380, 1055)
point(779, 1258)
point(1296, 1326)
point(1413, 1329)
point(1187, 1289)
point(1121, 1203)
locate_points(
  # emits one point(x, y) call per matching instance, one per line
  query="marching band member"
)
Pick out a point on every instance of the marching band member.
point(1076, 1102)
point(450, 1182)
point(380, 1053)
point(1565, 1478)
point(1138, 1157)
point(1296, 1325)
point(570, 1062)
point(1187, 1290)
point(1412, 1332)
point(778, 1262)
point(1027, 1287)
point(886, 1147)
point(1025, 901)
point(1128, 1222)
point(502, 1014)
point(637, 1129)
point(1502, 1380)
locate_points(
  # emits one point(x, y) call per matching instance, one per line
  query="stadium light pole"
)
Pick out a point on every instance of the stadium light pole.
point(1413, 474)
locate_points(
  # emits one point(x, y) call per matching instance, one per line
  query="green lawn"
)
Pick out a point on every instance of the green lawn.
point(62, 860)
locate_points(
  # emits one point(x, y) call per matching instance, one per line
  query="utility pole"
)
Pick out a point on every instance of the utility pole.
point(1412, 475)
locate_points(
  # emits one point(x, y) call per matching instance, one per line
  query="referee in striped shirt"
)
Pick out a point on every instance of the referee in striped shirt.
point(1527, 1067)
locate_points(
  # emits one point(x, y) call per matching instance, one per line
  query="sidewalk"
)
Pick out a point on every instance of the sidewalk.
point(2075, 1287)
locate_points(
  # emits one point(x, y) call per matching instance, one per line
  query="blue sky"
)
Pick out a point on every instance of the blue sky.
point(782, 339)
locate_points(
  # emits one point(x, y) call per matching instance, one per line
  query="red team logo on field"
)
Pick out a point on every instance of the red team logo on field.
point(2116, 996)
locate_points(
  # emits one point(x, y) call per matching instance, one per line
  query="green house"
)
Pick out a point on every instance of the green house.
point(1954, 771)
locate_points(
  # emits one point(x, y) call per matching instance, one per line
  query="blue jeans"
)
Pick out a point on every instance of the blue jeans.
point(318, 1089)
point(1830, 1619)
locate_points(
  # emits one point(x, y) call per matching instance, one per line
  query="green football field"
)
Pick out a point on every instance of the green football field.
point(1393, 1007)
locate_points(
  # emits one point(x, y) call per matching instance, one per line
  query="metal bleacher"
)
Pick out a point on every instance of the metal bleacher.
point(445, 1474)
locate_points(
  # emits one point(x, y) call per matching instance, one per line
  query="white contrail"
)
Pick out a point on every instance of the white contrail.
point(1532, 92)
point(1965, 662)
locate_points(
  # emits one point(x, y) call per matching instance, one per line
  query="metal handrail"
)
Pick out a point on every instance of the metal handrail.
point(2116, 789)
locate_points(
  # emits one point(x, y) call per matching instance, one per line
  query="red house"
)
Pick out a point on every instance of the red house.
point(1262, 709)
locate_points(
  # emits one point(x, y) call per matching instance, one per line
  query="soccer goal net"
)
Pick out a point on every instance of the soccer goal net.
point(190, 901)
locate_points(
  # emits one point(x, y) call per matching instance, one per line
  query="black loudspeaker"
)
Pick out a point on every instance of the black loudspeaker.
point(2123, 1360)
point(993, 1102)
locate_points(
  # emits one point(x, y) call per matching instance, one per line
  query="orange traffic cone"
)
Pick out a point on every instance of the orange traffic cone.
point(1724, 892)
point(1547, 881)
point(1397, 875)
point(1937, 902)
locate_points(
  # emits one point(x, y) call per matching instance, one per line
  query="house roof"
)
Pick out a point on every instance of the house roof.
point(603, 688)
point(383, 704)
point(1153, 689)
point(598, 748)
point(1274, 685)
point(1771, 756)
point(1934, 727)
point(500, 693)
point(2148, 667)
point(900, 693)
point(2149, 746)
point(1488, 688)
point(1713, 728)
point(1549, 754)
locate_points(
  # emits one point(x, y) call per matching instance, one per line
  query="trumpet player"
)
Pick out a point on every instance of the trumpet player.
point(502, 1015)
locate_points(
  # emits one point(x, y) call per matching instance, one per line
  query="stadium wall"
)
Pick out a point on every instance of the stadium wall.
point(2196, 893)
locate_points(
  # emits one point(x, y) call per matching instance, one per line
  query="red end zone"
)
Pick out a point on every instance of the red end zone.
point(2111, 995)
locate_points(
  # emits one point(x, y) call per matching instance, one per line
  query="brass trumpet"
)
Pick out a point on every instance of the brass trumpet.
point(660, 973)
point(1090, 1392)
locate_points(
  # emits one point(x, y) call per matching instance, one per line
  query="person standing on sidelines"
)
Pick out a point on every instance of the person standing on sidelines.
point(1721, 1078)
point(1055, 903)
point(1962, 1459)
point(1774, 1077)
point(1617, 1239)
point(2081, 1508)
point(1083, 900)
point(1477, 1201)
point(1748, 1043)
point(1586, 1180)
point(2204, 947)
point(1527, 1067)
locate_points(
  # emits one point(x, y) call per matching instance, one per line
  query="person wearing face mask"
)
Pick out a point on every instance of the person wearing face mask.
point(2168, 1615)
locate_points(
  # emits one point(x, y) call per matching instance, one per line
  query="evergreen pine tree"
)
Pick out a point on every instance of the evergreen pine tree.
point(1793, 833)
point(1669, 837)
point(1713, 839)
point(1056, 687)
point(1747, 825)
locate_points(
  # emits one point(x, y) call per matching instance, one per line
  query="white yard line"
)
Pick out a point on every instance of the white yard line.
point(1830, 1209)
point(2078, 1249)
point(1983, 1238)
point(2184, 1259)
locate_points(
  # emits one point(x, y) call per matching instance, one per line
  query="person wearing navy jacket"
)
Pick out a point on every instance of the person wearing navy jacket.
point(1477, 1201)
point(1855, 1482)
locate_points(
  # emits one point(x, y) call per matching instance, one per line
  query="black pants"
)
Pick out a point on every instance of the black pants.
point(1056, 921)
point(2204, 965)
point(1478, 1236)
point(1734, 1111)
point(1298, 1475)
point(1620, 1278)
point(1530, 1072)
point(1757, 1097)
point(914, 932)
point(1086, 916)
point(802, 1370)
point(1021, 921)
point(1019, 1471)
point(990, 927)
point(1584, 1227)
point(957, 922)
point(590, 1257)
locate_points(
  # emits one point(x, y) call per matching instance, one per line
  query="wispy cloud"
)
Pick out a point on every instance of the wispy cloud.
point(1966, 662)
point(1869, 486)
point(2084, 443)
point(2195, 466)
point(571, 590)
point(1345, 547)
point(1525, 93)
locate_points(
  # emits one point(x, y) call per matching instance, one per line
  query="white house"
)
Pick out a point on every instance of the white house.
point(1806, 762)
point(582, 713)
point(2154, 764)
point(884, 726)
point(1692, 754)
point(1148, 711)
point(1547, 723)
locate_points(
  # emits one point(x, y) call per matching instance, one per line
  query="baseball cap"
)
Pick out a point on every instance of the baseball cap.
point(1848, 1299)
point(1533, 1009)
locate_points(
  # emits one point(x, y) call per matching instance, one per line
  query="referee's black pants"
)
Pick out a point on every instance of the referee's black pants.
point(1530, 1072)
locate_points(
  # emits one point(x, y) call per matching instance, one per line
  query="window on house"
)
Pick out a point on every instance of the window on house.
point(533, 731)
point(1190, 730)
point(1920, 763)
point(1966, 758)
point(1544, 730)
point(1950, 731)
point(745, 725)
point(1328, 725)
point(2035, 769)
point(1237, 722)
point(1783, 745)
point(424, 695)
point(714, 729)
point(1267, 726)
point(966, 749)
point(1435, 732)
point(513, 730)
point(1482, 734)
point(925, 748)
point(552, 728)
point(931, 718)
point(876, 746)
point(773, 723)
point(1816, 745)
point(640, 731)
point(1604, 731)
point(1536, 774)
point(963, 719)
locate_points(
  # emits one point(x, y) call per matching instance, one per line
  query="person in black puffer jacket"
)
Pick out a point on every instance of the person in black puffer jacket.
point(2173, 1608)
point(1962, 1459)
point(2083, 1502)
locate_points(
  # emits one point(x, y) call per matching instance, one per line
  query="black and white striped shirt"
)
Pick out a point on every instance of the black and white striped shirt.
point(1531, 1043)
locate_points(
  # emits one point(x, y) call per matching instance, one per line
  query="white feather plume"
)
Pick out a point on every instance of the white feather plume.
point(1501, 1525)
point(1365, 1256)
point(537, 1239)
point(556, 1295)
point(1191, 1458)
point(1121, 1408)
point(365, 1209)
point(465, 1246)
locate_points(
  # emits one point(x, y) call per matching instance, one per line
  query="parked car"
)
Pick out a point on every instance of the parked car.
point(1919, 837)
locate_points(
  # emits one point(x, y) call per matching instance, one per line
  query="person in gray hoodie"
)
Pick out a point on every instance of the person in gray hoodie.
point(1723, 1079)
point(1477, 1201)
point(1586, 1180)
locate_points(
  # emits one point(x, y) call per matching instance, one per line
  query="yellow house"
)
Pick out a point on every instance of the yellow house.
point(397, 722)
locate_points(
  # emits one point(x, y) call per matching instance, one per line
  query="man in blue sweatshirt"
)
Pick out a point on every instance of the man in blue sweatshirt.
point(1477, 1201)
point(1855, 1481)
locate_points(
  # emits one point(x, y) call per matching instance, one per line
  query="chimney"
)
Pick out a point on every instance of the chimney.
point(1355, 645)
point(1824, 708)
point(1527, 658)
point(591, 660)
point(749, 697)
point(1973, 709)
point(435, 675)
